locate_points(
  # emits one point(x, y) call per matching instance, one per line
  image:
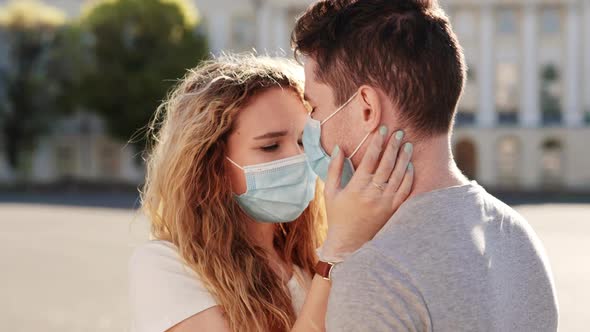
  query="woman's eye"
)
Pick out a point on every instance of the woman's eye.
point(269, 148)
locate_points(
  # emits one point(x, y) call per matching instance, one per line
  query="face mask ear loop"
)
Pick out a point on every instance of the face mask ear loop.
point(233, 162)
point(359, 146)
point(339, 108)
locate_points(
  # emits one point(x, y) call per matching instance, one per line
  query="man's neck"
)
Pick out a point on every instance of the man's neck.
point(435, 167)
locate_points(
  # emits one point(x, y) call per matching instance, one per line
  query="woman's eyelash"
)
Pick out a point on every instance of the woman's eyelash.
point(273, 147)
point(270, 147)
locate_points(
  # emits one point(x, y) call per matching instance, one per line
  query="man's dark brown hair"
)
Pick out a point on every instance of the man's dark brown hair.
point(404, 47)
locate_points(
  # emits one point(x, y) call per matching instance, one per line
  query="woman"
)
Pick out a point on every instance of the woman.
point(230, 197)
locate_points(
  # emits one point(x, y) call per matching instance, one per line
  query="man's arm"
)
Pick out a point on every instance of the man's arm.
point(370, 294)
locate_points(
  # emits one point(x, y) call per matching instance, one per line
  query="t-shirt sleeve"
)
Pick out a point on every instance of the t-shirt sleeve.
point(163, 290)
point(369, 294)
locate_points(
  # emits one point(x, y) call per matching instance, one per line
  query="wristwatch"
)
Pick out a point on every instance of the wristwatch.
point(324, 269)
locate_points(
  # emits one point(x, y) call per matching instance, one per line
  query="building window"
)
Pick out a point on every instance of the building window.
point(109, 160)
point(468, 103)
point(464, 24)
point(507, 92)
point(508, 162)
point(466, 157)
point(552, 164)
point(551, 21)
point(66, 161)
point(470, 73)
point(465, 117)
point(507, 21)
point(243, 32)
point(550, 95)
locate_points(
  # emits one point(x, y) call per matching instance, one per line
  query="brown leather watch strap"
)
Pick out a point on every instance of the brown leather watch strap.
point(324, 270)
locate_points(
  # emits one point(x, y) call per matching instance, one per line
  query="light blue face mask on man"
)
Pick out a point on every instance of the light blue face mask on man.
point(317, 156)
point(277, 191)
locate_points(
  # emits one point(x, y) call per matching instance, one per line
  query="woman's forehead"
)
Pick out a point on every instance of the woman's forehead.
point(274, 110)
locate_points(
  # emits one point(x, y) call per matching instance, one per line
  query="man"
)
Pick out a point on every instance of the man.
point(452, 258)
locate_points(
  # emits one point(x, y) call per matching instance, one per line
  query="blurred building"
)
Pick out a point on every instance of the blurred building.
point(79, 149)
point(524, 119)
point(76, 148)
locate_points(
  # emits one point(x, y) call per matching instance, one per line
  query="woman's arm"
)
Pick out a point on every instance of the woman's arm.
point(311, 317)
point(313, 314)
point(382, 182)
point(211, 320)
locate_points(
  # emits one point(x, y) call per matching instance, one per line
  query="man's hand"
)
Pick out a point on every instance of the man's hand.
point(382, 182)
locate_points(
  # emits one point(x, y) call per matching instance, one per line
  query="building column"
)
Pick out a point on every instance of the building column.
point(264, 27)
point(486, 116)
point(282, 31)
point(487, 153)
point(530, 162)
point(586, 42)
point(573, 110)
point(44, 160)
point(529, 104)
point(218, 25)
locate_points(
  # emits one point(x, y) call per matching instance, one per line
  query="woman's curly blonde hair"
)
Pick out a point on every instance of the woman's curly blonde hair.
point(188, 199)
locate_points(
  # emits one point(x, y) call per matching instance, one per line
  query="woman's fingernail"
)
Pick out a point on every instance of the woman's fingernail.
point(408, 147)
point(335, 151)
point(399, 135)
point(410, 166)
point(383, 130)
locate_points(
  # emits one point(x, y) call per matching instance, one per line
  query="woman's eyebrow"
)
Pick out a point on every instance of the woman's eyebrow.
point(273, 134)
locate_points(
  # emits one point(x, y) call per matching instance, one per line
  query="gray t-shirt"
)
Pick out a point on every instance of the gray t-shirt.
point(455, 259)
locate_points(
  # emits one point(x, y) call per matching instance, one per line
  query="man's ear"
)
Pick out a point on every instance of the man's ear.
point(372, 107)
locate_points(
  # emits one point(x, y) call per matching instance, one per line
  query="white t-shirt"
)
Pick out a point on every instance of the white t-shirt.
point(165, 292)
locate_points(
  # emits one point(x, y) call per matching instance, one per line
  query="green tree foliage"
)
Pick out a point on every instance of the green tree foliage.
point(29, 28)
point(70, 61)
point(140, 48)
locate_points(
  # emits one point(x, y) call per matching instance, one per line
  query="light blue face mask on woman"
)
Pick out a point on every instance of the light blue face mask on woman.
point(317, 156)
point(277, 191)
